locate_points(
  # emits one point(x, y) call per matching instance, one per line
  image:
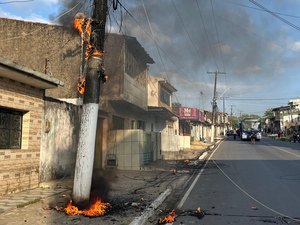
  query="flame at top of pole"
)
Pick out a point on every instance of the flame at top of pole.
point(84, 27)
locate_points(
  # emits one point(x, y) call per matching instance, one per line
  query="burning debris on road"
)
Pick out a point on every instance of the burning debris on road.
point(199, 213)
point(171, 217)
point(97, 208)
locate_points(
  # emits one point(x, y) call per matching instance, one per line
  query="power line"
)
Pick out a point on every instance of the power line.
point(20, 1)
point(155, 43)
point(37, 30)
point(206, 34)
point(260, 99)
point(218, 36)
point(195, 47)
point(278, 13)
point(149, 35)
point(186, 31)
point(275, 15)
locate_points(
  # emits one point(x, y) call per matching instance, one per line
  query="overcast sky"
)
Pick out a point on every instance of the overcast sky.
point(258, 50)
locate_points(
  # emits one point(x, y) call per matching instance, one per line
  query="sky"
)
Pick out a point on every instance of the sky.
point(254, 44)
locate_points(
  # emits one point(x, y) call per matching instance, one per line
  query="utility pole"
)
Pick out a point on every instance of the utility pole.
point(214, 104)
point(224, 115)
point(231, 114)
point(88, 127)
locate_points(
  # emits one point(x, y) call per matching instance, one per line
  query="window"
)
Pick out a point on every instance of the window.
point(141, 125)
point(132, 124)
point(10, 129)
point(165, 97)
point(118, 123)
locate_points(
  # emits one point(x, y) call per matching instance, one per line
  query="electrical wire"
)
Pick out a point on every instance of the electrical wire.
point(44, 27)
point(259, 99)
point(275, 15)
point(161, 49)
point(150, 36)
point(16, 1)
point(193, 45)
point(251, 197)
point(278, 13)
point(155, 43)
point(218, 36)
point(206, 36)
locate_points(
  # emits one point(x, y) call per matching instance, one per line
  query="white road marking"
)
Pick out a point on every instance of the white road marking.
point(291, 153)
point(195, 181)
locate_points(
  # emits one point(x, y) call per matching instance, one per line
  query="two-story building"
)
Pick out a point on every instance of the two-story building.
point(130, 128)
point(286, 118)
point(163, 122)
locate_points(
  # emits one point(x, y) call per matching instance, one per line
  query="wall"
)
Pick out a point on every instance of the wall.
point(170, 143)
point(38, 43)
point(114, 67)
point(135, 90)
point(153, 97)
point(130, 147)
point(59, 139)
point(19, 169)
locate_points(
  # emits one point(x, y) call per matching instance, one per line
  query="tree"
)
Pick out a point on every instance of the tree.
point(234, 121)
point(268, 113)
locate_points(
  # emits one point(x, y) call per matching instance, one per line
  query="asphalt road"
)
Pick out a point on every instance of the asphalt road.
point(244, 183)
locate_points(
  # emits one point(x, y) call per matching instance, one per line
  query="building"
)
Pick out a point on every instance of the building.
point(22, 93)
point(124, 99)
point(129, 130)
point(163, 122)
point(287, 118)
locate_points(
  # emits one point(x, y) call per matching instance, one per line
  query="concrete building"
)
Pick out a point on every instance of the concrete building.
point(22, 93)
point(129, 133)
point(163, 122)
point(287, 118)
point(124, 98)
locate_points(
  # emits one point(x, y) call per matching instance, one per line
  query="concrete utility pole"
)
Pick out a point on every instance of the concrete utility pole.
point(214, 105)
point(231, 113)
point(88, 128)
point(224, 114)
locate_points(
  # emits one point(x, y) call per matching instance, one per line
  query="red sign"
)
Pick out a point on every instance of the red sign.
point(188, 113)
point(201, 116)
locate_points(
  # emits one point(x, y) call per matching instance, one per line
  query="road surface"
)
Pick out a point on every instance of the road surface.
point(246, 183)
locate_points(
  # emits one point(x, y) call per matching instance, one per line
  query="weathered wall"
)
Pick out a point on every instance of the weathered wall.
point(114, 67)
point(31, 44)
point(19, 167)
point(128, 146)
point(59, 139)
point(135, 90)
point(153, 91)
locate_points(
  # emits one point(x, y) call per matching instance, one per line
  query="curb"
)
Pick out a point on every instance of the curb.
point(150, 210)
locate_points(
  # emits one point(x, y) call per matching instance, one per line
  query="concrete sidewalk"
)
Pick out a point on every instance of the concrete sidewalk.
point(131, 194)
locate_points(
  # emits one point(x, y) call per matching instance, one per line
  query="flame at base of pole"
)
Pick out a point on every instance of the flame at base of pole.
point(97, 208)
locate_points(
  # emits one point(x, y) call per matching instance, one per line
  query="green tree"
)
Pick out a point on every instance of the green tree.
point(268, 113)
point(234, 121)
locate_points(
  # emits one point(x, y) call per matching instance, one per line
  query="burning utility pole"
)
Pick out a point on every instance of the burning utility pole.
point(95, 30)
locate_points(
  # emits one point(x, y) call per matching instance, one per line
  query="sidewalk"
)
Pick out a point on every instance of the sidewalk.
point(130, 193)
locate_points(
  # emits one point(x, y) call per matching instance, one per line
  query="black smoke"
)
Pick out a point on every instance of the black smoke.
point(68, 10)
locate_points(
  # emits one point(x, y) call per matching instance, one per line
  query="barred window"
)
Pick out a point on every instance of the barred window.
point(10, 129)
